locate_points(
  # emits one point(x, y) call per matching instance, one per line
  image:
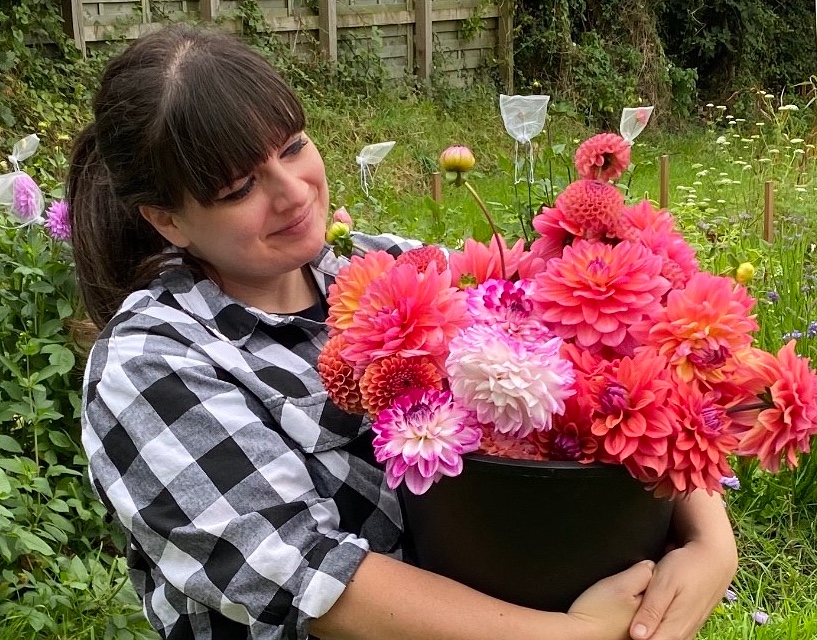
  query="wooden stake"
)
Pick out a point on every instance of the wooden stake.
point(768, 210)
point(663, 201)
point(437, 186)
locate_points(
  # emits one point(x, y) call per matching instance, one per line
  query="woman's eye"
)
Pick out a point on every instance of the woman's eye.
point(295, 147)
point(241, 192)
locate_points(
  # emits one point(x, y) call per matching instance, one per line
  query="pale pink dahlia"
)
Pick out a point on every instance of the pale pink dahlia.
point(786, 426)
point(349, 286)
point(701, 328)
point(516, 386)
point(605, 157)
point(509, 305)
point(57, 222)
point(422, 438)
point(595, 292)
point(338, 377)
point(405, 312)
point(594, 206)
point(392, 376)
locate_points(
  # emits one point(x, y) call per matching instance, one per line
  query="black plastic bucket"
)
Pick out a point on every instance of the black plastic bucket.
point(535, 533)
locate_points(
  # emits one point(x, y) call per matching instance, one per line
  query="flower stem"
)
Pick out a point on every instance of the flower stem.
point(491, 224)
point(748, 407)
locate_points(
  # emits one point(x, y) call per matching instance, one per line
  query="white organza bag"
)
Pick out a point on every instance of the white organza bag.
point(369, 156)
point(524, 118)
point(633, 121)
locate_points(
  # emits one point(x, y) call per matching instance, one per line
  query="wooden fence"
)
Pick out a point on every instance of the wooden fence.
point(418, 37)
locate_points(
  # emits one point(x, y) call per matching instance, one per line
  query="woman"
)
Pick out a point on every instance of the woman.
point(253, 505)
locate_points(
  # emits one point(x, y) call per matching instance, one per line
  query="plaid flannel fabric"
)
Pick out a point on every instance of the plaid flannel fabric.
point(248, 497)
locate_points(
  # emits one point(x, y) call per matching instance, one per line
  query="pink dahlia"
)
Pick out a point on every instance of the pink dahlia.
point(701, 445)
point(595, 292)
point(57, 222)
point(605, 157)
point(571, 437)
point(338, 377)
point(27, 199)
point(350, 284)
point(701, 328)
point(508, 305)
point(392, 376)
point(656, 231)
point(405, 312)
point(422, 438)
point(787, 424)
point(477, 262)
point(421, 257)
point(505, 445)
point(629, 412)
point(594, 206)
point(555, 230)
point(516, 386)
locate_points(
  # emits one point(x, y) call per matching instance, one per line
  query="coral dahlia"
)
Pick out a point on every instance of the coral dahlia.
point(392, 376)
point(422, 438)
point(349, 286)
point(477, 262)
point(595, 292)
point(421, 257)
point(592, 205)
point(338, 377)
point(605, 157)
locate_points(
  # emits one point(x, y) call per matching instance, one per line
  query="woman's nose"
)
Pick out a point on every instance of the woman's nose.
point(287, 188)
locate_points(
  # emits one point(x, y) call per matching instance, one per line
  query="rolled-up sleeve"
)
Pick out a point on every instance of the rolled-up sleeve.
point(221, 502)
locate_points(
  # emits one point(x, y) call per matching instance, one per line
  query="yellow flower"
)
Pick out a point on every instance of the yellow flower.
point(457, 159)
point(745, 272)
point(336, 231)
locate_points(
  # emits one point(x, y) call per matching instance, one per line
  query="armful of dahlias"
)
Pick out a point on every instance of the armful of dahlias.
point(692, 578)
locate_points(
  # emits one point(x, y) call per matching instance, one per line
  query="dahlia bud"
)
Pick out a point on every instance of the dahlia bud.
point(337, 231)
point(457, 159)
point(745, 272)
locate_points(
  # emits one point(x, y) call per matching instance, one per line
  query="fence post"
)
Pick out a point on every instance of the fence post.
point(768, 210)
point(208, 9)
point(423, 34)
point(663, 201)
point(505, 44)
point(328, 29)
point(73, 21)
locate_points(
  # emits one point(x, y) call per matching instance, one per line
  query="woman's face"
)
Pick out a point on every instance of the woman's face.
point(264, 225)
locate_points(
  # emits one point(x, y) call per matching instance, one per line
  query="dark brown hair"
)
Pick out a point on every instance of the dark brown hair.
point(181, 111)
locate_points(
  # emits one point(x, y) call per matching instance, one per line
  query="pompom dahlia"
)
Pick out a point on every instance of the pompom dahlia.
point(595, 292)
point(338, 377)
point(421, 257)
point(57, 222)
point(405, 312)
point(517, 386)
point(594, 206)
point(392, 376)
point(349, 286)
point(789, 422)
point(422, 438)
point(509, 305)
point(605, 157)
point(701, 328)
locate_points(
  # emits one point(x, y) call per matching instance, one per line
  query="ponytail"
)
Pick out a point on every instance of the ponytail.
point(115, 250)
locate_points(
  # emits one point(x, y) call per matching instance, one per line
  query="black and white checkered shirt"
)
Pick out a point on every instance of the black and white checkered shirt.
point(248, 497)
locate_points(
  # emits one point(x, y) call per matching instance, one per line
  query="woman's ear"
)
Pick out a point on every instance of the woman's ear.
point(164, 222)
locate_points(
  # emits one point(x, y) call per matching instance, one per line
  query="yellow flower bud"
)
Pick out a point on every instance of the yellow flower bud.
point(745, 272)
point(457, 159)
point(336, 231)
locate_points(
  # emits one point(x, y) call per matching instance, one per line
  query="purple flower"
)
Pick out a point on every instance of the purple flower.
point(57, 222)
point(761, 617)
point(773, 296)
point(27, 201)
point(730, 595)
point(811, 332)
point(730, 482)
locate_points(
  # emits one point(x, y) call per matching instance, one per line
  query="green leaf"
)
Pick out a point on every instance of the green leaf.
point(33, 543)
point(5, 485)
point(64, 308)
point(59, 439)
point(60, 357)
point(7, 443)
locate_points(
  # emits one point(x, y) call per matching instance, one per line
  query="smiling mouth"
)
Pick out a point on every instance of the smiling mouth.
point(295, 225)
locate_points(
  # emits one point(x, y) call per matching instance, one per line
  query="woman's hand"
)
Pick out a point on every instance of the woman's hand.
point(606, 609)
point(690, 580)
